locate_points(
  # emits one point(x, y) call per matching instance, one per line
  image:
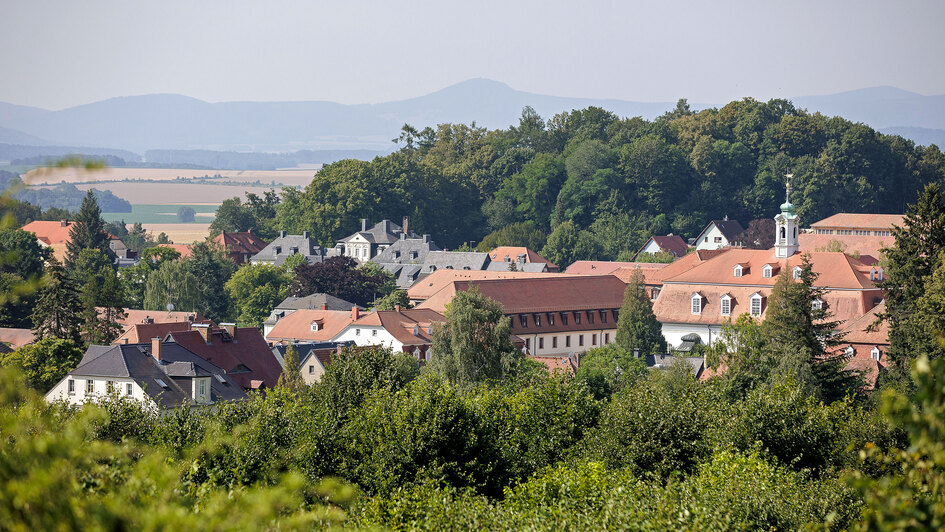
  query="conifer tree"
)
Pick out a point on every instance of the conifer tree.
point(916, 254)
point(291, 374)
point(637, 326)
point(57, 311)
point(87, 232)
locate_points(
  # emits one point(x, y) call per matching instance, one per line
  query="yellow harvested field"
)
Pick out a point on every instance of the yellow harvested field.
point(179, 233)
point(54, 176)
point(172, 193)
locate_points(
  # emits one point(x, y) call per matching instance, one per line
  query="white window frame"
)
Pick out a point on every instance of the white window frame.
point(738, 271)
point(816, 304)
point(725, 305)
point(89, 386)
point(874, 353)
point(766, 271)
point(129, 389)
point(756, 299)
point(71, 386)
point(796, 272)
point(849, 351)
point(695, 300)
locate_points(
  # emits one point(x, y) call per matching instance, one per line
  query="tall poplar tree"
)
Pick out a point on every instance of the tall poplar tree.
point(637, 326)
point(87, 232)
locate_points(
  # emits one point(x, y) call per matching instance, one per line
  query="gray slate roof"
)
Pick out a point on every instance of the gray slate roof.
point(285, 244)
point(456, 260)
point(406, 251)
point(696, 364)
point(177, 366)
point(383, 232)
point(315, 301)
point(501, 266)
point(730, 228)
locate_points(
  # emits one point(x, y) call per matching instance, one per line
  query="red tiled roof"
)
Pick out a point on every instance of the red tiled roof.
point(555, 364)
point(655, 276)
point(851, 244)
point(144, 332)
point(50, 232)
point(604, 267)
point(855, 331)
point(240, 242)
point(543, 294)
point(400, 324)
point(672, 243)
point(859, 221)
point(425, 287)
point(512, 252)
point(17, 338)
point(298, 325)
point(867, 367)
point(135, 316)
point(247, 348)
point(184, 249)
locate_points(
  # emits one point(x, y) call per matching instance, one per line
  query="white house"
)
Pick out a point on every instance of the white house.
point(406, 330)
point(719, 234)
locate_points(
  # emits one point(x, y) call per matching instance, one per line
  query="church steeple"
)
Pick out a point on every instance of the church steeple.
point(785, 238)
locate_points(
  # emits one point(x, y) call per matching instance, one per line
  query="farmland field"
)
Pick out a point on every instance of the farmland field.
point(180, 233)
point(160, 213)
point(53, 176)
point(173, 193)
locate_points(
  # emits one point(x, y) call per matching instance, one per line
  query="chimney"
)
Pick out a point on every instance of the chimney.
point(406, 227)
point(64, 223)
point(203, 329)
point(364, 224)
point(426, 238)
point(156, 348)
point(355, 313)
point(386, 226)
point(230, 328)
point(403, 236)
point(147, 319)
point(397, 309)
point(324, 306)
point(281, 234)
point(191, 317)
point(305, 234)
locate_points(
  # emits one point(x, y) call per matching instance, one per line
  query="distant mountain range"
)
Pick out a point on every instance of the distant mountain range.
point(174, 122)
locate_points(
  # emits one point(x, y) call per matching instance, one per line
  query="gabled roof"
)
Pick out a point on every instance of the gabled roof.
point(135, 316)
point(851, 244)
point(247, 348)
point(298, 325)
point(540, 294)
point(430, 284)
point(671, 243)
point(240, 242)
point(512, 253)
point(730, 229)
point(316, 301)
point(383, 232)
point(322, 351)
point(859, 221)
point(50, 232)
point(184, 249)
point(401, 324)
point(400, 250)
point(144, 332)
point(305, 245)
point(455, 260)
point(16, 337)
point(655, 273)
point(604, 267)
point(866, 330)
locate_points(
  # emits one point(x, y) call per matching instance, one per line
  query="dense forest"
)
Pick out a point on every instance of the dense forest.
point(605, 183)
point(64, 196)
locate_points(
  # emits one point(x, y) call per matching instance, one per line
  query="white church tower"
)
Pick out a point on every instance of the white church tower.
point(785, 240)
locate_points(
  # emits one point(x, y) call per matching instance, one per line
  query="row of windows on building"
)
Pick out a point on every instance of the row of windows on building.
point(577, 315)
point(567, 340)
point(756, 304)
point(856, 232)
point(874, 352)
point(90, 387)
point(767, 271)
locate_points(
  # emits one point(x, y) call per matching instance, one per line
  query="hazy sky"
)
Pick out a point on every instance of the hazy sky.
point(55, 54)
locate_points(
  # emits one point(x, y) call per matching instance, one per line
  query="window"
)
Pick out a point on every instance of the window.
point(541, 343)
point(373, 332)
point(654, 293)
point(590, 316)
point(567, 341)
point(128, 388)
point(357, 332)
point(603, 316)
point(606, 338)
point(580, 339)
point(696, 304)
point(737, 270)
point(90, 386)
point(756, 305)
point(849, 351)
point(816, 304)
point(528, 343)
point(717, 240)
point(523, 319)
point(161, 383)
point(796, 272)
point(109, 386)
point(551, 318)
point(554, 341)
point(71, 384)
point(314, 326)
point(593, 339)
point(537, 318)
point(874, 353)
point(311, 369)
point(564, 318)
point(726, 303)
point(766, 271)
point(203, 387)
point(577, 318)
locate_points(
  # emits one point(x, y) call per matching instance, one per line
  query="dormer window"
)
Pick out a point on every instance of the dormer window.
point(756, 303)
point(278, 250)
point(523, 320)
point(726, 305)
point(537, 318)
point(413, 255)
point(876, 274)
point(315, 326)
point(796, 272)
point(816, 304)
point(551, 318)
point(737, 270)
point(874, 353)
point(849, 352)
point(696, 303)
point(769, 270)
